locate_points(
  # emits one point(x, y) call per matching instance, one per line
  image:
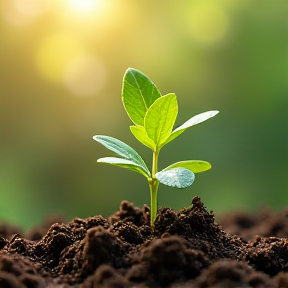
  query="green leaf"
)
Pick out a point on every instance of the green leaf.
point(138, 94)
point(177, 177)
point(196, 166)
point(140, 133)
point(160, 119)
point(121, 149)
point(191, 122)
point(124, 163)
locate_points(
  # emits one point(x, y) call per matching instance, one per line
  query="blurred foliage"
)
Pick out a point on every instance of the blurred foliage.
point(62, 63)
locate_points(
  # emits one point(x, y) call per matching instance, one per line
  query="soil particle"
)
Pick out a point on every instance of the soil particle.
point(186, 249)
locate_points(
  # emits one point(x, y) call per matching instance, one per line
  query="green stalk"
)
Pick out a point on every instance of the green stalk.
point(153, 185)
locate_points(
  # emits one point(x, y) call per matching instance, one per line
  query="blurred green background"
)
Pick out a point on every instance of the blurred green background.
point(62, 63)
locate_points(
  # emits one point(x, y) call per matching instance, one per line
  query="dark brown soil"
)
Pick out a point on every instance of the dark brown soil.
point(186, 249)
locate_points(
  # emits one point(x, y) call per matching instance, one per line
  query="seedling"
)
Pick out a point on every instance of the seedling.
point(153, 116)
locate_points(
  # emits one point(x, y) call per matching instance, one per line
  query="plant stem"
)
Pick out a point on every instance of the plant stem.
point(153, 184)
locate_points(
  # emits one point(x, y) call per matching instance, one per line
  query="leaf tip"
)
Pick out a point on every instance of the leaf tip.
point(130, 69)
point(96, 138)
point(127, 70)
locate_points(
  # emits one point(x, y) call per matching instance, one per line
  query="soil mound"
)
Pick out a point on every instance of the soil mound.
point(186, 249)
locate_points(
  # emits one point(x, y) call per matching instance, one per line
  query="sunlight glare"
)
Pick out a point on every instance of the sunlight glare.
point(83, 5)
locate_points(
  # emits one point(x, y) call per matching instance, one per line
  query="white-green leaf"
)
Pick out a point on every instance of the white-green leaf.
point(138, 94)
point(121, 149)
point(191, 122)
point(124, 163)
point(177, 177)
point(140, 133)
point(160, 119)
point(196, 166)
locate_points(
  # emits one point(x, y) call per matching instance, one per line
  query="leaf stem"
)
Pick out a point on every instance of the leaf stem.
point(153, 185)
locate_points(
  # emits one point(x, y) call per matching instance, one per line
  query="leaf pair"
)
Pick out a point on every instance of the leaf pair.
point(180, 174)
point(153, 115)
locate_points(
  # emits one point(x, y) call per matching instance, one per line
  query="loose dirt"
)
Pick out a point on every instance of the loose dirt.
point(187, 248)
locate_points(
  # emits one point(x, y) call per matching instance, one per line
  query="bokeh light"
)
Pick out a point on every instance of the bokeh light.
point(55, 53)
point(23, 12)
point(85, 75)
point(208, 22)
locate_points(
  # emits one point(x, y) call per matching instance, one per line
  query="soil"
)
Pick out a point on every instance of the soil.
point(187, 248)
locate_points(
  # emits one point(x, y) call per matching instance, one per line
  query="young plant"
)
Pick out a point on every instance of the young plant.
point(153, 116)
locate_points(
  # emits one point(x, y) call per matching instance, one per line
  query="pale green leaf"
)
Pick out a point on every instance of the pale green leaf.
point(160, 119)
point(191, 122)
point(177, 177)
point(138, 94)
point(140, 133)
point(121, 149)
point(124, 163)
point(196, 166)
